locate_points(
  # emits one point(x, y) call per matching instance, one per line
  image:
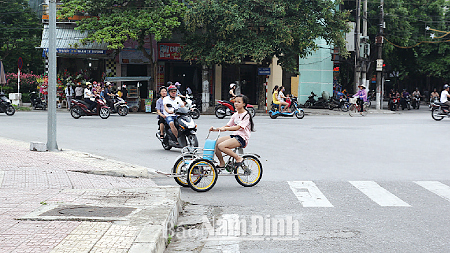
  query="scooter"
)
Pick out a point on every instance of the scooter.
point(439, 111)
point(226, 108)
point(120, 106)
point(6, 106)
point(194, 112)
point(187, 131)
point(37, 102)
point(313, 103)
point(79, 108)
point(406, 103)
point(393, 106)
point(416, 102)
point(295, 110)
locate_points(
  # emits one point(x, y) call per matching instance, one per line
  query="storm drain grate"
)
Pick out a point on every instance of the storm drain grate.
point(89, 211)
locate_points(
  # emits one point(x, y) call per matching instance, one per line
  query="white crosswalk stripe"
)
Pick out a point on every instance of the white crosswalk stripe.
point(309, 194)
point(378, 194)
point(436, 187)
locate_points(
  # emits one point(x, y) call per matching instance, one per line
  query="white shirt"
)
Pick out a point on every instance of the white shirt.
point(444, 97)
point(69, 91)
point(176, 103)
point(87, 93)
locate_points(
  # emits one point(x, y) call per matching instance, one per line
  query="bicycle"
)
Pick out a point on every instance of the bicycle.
point(355, 109)
point(197, 169)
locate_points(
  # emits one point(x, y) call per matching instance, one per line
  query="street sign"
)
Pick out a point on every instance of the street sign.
point(379, 65)
point(263, 71)
point(20, 63)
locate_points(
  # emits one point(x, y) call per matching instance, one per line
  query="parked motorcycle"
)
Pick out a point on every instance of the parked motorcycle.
point(186, 131)
point(120, 106)
point(79, 108)
point(439, 111)
point(192, 107)
point(416, 102)
point(294, 108)
point(37, 102)
point(313, 103)
point(226, 108)
point(6, 106)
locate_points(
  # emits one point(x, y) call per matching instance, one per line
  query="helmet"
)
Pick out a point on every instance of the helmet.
point(232, 85)
point(169, 83)
point(171, 87)
point(446, 86)
point(177, 83)
point(108, 83)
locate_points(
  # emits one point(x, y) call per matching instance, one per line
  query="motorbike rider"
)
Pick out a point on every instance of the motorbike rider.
point(231, 92)
point(416, 92)
point(282, 98)
point(445, 96)
point(434, 95)
point(160, 111)
point(109, 95)
point(175, 103)
point(362, 96)
point(275, 95)
point(178, 85)
point(404, 95)
point(89, 97)
point(242, 124)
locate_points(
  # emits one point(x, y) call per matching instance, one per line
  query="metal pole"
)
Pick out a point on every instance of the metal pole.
point(51, 123)
point(357, 42)
point(380, 56)
point(364, 33)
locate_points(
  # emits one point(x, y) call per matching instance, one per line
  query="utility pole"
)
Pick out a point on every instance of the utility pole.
point(357, 44)
point(51, 120)
point(379, 68)
point(366, 41)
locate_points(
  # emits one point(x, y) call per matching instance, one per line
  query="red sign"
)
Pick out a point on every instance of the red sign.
point(169, 51)
point(20, 63)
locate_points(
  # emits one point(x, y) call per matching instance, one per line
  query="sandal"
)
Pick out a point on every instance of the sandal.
point(237, 165)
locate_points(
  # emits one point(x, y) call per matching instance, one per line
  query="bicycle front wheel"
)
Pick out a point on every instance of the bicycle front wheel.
point(250, 172)
point(202, 175)
point(352, 110)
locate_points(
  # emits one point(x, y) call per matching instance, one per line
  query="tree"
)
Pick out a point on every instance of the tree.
point(114, 22)
point(229, 31)
point(20, 33)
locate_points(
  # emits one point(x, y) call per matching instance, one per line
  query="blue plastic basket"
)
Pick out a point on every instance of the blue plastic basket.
point(208, 149)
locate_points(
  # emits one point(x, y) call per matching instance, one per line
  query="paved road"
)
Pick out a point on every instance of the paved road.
point(362, 184)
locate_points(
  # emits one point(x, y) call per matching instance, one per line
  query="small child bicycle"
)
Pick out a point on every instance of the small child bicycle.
point(197, 169)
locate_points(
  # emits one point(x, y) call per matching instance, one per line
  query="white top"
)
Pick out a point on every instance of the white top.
point(87, 93)
point(280, 98)
point(69, 91)
point(444, 97)
point(176, 103)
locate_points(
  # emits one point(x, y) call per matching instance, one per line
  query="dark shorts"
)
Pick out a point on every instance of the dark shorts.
point(161, 120)
point(240, 140)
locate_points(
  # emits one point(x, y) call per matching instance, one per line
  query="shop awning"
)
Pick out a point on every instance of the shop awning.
point(128, 79)
point(67, 37)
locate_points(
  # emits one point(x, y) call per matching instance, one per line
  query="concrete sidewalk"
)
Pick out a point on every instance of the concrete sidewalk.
point(70, 201)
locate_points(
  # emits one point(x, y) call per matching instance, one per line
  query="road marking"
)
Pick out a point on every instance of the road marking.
point(378, 194)
point(308, 194)
point(2, 174)
point(436, 187)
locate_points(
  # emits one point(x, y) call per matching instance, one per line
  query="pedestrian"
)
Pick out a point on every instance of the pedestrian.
point(160, 111)
point(69, 94)
point(241, 123)
point(79, 92)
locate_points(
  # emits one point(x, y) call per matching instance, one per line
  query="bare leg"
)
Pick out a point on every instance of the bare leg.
point(161, 129)
point(174, 129)
point(226, 144)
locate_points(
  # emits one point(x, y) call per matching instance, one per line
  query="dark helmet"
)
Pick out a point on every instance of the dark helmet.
point(169, 83)
point(171, 87)
point(446, 86)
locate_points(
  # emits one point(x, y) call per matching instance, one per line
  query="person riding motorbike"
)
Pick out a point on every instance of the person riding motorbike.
point(434, 95)
point(445, 96)
point(282, 98)
point(109, 95)
point(89, 97)
point(175, 102)
point(231, 92)
point(403, 97)
point(178, 85)
point(160, 111)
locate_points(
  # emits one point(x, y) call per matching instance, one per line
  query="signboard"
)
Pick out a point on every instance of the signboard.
point(75, 51)
point(263, 71)
point(133, 56)
point(169, 51)
point(379, 65)
point(20, 63)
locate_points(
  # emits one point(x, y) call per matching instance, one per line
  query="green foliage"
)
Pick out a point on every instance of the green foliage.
point(229, 31)
point(114, 22)
point(20, 34)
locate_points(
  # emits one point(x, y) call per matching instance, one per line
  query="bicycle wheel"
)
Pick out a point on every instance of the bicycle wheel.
point(352, 110)
point(181, 167)
point(250, 172)
point(202, 175)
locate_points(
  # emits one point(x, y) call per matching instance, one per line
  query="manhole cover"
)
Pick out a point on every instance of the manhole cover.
point(89, 211)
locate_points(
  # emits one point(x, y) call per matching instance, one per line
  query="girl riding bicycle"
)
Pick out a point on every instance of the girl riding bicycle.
point(241, 123)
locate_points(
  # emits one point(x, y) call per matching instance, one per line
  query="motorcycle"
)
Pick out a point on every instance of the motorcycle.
point(37, 102)
point(186, 131)
point(433, 100)
point(393, 106)
point(294, 108)
point(79, 108)
point(313, 103)
point(226, 108)
point(120, 106)
point(194, 112)
point(6, 106)
point(406, 103)
point(416, 102)
point(439, 111)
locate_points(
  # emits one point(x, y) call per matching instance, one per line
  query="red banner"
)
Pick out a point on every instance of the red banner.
point(169, 51)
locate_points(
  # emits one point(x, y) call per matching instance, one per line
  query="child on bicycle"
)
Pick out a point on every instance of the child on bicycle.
point(241, 123)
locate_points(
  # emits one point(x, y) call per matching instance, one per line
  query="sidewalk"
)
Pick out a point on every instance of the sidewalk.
point(74, 202)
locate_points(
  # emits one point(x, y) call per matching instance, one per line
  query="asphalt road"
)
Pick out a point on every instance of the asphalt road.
point(364, 184)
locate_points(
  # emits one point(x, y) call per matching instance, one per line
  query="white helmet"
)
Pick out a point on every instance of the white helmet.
point(232, 85)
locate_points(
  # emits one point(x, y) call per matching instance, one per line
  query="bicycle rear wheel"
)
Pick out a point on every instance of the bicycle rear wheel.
point(352, 110)
point(250, 172)
point(202, 175)
point(181, 167)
